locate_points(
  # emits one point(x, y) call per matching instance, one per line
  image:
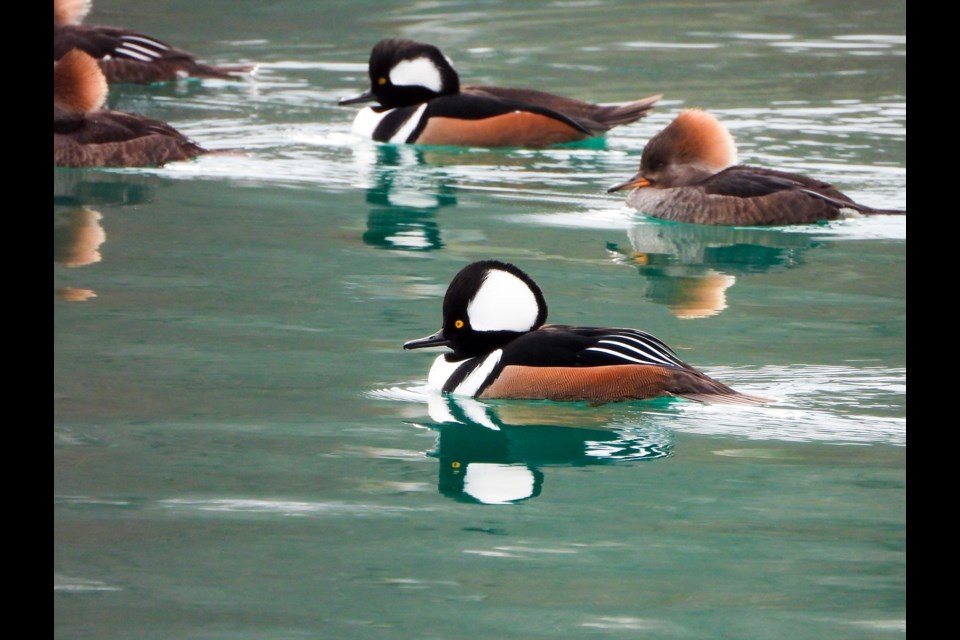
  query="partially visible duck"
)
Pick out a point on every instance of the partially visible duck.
point(493, 321)
point(421, 101)
point(86, 135)
point(689, 173)
point(127, 56)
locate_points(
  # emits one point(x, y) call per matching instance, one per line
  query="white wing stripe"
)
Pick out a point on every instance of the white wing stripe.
point(622, 356)
point(135, 54)
point(644, 338)
point(133, 46)
point(153, 44)
point(649, 357)
point(647, 349)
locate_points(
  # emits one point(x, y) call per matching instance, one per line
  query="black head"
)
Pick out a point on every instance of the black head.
point(488, 304)
point(405, 73)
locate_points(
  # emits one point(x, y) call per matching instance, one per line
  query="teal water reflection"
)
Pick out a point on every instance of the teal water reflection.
point(499, 454)
point(226, 464)
point(402, 216)
point(689, 268)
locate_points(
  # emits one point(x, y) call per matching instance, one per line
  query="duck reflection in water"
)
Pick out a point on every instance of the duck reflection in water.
point(78, 232)
point(496, 454)
point(72, 188)
point(407, 186)
point(402, 207)
point(689, 268)
point(77, 236)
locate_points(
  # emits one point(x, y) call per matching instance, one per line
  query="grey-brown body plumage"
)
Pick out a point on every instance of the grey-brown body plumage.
point(87, 135)
point(688, 173)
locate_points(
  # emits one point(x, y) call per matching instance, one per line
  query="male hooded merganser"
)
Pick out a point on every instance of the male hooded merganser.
point(688, 173)
point(493, 319)
point(86, 135)
point(421, 101)
point(127, 56)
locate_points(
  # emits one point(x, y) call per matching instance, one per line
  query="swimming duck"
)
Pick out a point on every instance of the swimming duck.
point(494, 318)
point(86, 135)
point(421, 101)
point(689, 173)
point(125, 55)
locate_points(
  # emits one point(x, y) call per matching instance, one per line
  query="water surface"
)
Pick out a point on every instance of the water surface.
point(242, 449)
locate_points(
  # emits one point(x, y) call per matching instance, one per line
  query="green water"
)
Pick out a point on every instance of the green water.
point(243, 450)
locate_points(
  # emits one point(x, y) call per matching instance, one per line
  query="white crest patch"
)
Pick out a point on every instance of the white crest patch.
point(503, 303)
point(421, 72)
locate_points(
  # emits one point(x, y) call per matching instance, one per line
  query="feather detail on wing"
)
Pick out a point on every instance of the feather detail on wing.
point(128, 56)
point(596, 364)
point(593, 117)
point(748, 182)
point(622, 346)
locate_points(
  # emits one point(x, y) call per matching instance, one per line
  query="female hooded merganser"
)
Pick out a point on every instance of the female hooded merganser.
point(421, 101)
point(127, 56)
point(688, 173)
point(86, 135)
point(493, 319)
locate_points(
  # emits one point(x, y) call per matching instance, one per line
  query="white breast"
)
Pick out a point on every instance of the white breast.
point(439, 372)
point(442, 370)
point(367, 121)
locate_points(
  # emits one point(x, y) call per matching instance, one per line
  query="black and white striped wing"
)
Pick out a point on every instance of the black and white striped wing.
point(138, 47)
point(567, 346)
point(106, 43)
point(629, 346)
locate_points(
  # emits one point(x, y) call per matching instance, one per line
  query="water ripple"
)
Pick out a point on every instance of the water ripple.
point(69, 584)
point(830, 404)
point(840, 405)
point(284, 507)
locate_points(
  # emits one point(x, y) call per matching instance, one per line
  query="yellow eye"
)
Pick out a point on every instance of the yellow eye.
point(458, 324)
point(381, 81)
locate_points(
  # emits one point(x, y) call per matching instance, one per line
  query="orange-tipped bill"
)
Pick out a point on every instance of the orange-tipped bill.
point(636, 182)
